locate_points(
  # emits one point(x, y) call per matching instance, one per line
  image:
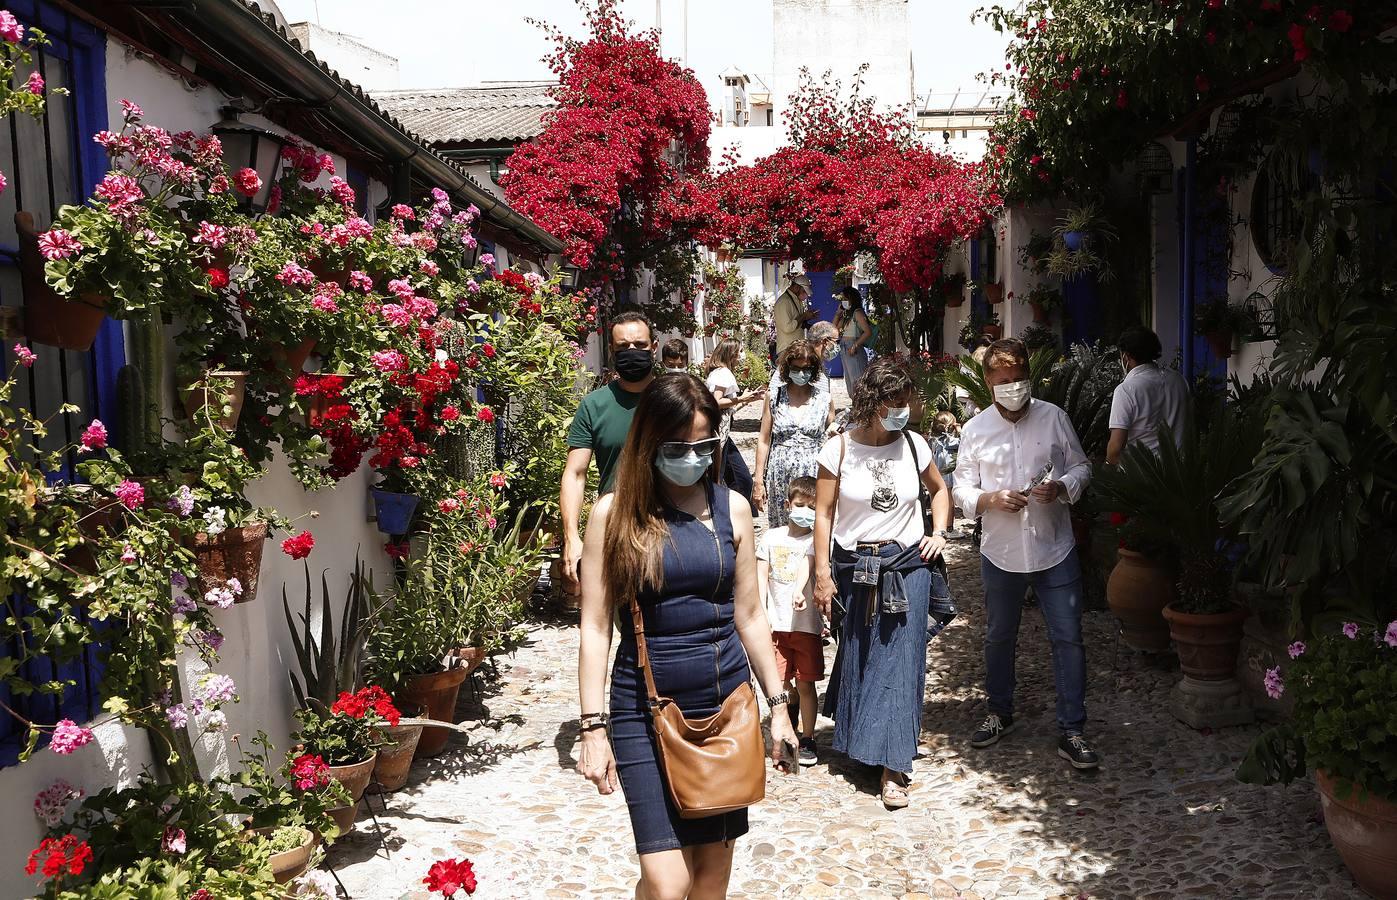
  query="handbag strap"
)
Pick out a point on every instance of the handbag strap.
point(642, 657)
point(923, 495)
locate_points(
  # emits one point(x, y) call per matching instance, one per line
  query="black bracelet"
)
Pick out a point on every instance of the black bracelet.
point(600, 718)
point(593, 726)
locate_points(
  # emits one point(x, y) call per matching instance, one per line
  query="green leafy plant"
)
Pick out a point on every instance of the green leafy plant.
point(1170, 498)
point(1081, 384)
point(969, 376)
point(1343, 720)
point(1221, 317)
point(974, 328)
point(271, 798)
point(1048, 299)
point(351, 729)
point(1038, 336)
point(330, 665)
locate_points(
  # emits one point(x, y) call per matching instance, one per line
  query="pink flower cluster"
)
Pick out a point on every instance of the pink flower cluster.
point(69, 736)
point(10, 28)
point(308, 165)
point(51, 803)
point(24, 356)
point(58, 244)
point(94, 436)
point(130, 493)
point(295, 274)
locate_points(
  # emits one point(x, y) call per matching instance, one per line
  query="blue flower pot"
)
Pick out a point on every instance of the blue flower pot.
point(1074, 239)
point(393, 510)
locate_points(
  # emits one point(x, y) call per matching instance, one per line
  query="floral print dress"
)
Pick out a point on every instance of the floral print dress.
point(797, 433)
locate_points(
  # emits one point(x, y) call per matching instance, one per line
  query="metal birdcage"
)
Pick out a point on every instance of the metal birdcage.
point(1154, 169)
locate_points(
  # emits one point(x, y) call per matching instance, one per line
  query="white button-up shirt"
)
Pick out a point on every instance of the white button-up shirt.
point(996, 455)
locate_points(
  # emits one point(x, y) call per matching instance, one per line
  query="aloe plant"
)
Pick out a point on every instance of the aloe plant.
point(328, 663)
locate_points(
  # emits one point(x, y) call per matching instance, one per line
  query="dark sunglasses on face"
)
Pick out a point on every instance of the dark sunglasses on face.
point(810, 371)
point(681, 449)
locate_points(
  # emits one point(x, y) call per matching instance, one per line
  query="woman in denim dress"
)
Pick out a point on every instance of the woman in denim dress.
point(682, 547)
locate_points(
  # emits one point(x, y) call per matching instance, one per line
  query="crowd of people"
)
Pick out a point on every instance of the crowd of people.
point(858, 514)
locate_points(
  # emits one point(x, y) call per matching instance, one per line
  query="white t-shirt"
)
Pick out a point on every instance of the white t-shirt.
point(722, 381)
point(788, 556)
point(1147, 397)
point(878, 493)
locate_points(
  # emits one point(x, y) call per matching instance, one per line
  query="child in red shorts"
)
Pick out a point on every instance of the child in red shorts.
point(787, 591)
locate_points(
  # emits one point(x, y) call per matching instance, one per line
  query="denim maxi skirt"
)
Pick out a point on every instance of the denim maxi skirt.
point(879, 678)
point(697, 659)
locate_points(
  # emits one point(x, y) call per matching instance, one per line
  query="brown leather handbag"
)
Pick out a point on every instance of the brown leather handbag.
point(713, 765)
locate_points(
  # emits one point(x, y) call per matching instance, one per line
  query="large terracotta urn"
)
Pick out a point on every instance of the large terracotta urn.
point(1137, 592)
point(1207, 643)
point(1364, 831)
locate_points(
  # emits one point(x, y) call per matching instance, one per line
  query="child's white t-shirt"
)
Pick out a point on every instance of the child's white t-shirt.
point(787, 555)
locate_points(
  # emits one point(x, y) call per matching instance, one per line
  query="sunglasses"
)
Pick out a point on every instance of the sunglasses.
point(811, 371)
point(681, 449)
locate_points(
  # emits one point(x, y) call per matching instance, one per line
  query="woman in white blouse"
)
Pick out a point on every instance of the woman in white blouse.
point(1020, 467)
point(881, 512)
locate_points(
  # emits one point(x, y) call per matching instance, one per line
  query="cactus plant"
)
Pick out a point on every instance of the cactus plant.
point(329, 664)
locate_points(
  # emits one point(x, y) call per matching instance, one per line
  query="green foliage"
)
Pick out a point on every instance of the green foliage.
point(270, 799)
point(969, 376)
point(1171, 496)
point(974, 328)
point(1343, 721)
point(330, 665)
point(1081, 385)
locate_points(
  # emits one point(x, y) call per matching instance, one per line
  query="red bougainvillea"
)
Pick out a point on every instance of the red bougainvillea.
point(854, 180)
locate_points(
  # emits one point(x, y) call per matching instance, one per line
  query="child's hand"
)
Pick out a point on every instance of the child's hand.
point(799, 603)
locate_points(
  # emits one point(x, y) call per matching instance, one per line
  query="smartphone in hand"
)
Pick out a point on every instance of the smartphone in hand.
point(790, 758)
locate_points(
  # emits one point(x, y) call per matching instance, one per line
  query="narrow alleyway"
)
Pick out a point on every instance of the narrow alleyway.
point(1163, 818)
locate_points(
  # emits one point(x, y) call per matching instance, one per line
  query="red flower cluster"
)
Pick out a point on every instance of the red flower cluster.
point(373, 697)
point(61, 856)
point(309, 771)
point(447, 876)
point(306, 163)
point(298, 546)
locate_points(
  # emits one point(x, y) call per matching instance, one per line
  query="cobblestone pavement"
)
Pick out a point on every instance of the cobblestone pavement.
point(1163, 818)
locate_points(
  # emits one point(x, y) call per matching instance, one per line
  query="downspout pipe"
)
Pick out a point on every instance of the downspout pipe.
point(1188, 283)
point(240, 34)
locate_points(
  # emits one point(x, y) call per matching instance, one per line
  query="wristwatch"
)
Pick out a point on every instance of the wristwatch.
point(777, 699)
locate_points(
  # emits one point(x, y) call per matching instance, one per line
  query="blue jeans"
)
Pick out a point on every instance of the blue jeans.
point(1059, 593)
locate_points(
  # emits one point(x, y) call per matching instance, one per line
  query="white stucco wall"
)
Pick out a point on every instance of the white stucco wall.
point(258, 647)
point(371, 69)
point(841, 35)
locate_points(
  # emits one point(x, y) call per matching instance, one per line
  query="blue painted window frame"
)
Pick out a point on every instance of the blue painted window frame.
point(84, 48)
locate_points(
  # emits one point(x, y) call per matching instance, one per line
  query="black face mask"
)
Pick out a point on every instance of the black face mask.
point(634, 364)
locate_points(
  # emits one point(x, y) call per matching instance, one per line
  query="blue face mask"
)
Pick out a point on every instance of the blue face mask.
point(802, 516)
point(897, 417)
point(800, 377)
point(686, 470)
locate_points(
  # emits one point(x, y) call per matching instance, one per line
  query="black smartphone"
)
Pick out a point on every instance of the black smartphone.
point(790, 758)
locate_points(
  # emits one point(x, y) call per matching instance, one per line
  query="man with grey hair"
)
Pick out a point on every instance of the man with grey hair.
point(791, 312)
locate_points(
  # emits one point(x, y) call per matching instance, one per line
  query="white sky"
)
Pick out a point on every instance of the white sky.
point(445, 43)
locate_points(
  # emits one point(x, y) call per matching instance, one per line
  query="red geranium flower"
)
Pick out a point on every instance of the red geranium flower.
point(66, 856)
point(218, 278)
point(397, 551)
point(447, 876)
point(299, 546)
point(485, 414)
point(309, 771)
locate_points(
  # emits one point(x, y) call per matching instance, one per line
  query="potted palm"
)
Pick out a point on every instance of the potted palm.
point(1169, 499)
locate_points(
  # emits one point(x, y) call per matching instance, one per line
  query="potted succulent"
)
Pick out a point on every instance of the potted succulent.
point(1222, 323)
point(1169, 497)
point(1344, 727)
point(346, 737)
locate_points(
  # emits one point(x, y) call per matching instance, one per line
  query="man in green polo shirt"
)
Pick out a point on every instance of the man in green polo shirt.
point(601, 424)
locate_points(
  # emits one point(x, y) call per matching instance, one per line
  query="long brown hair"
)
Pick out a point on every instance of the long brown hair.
point(727, 353)
point(635, 527)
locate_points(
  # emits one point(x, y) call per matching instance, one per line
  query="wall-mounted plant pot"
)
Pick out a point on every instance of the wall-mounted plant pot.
point(994, 293)
point(292, 359)
point(355, 778)
point(206, 396)
point(1040, 314)
point(437, 692)
point(955, 300)
point(993, 332)
point(393, 510)
point(1073, 240)
point(1220, 342)
point(48, 318)
point(233, 553)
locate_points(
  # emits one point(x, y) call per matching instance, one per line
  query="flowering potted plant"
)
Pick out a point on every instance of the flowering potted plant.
point(978, 326)
point(1044, 301)
point(1344, 726)
point(953, 289)
point(346, 738)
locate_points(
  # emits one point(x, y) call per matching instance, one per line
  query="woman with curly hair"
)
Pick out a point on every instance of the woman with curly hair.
point(881, 513)
point(797, 413)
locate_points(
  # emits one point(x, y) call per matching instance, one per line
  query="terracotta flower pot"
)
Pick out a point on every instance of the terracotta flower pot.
point(355, 778)
point(955, 300)
point(1137, 592)
point(468, 658)
point(1039, 313)
point(993, 332)
point(49, 318)
point(234, 553)
point(1364, 831)
point(1208, 643)
point(994, 293)
point(203, 395)
point(289, 864)
point(1220, 342)
point(436, 692)
point(294, 358)
point(395, 758)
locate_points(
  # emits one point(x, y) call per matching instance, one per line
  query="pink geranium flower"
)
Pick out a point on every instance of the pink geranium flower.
point(24, 355)
point(1390, 638)
point(1275, 687)
point(35, 84)
point(130, 493)
point(94, 436)
point(1351, 630)
point(69, 736)
point(10, 29)
point(1296, 650)
point(58, 244)
point(247, 182)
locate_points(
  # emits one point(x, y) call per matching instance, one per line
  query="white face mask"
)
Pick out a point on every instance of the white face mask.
point(671, 371)
point(802, 516)
point(1012, 396)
